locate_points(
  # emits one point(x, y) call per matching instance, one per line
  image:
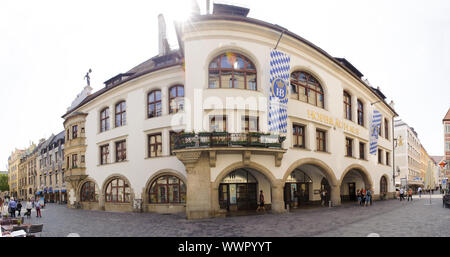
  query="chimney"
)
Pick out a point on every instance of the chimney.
point(163, 44)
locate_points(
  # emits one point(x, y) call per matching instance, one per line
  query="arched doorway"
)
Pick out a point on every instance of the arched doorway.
point(239, 190)
point(383, 187)
point(297, 189)
point(304, 184)
point(353, 179)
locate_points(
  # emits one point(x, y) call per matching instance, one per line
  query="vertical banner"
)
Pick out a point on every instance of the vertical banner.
point(278, 93)
point(375, 126)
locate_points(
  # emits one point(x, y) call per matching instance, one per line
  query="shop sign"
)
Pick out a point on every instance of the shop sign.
point(332, 121)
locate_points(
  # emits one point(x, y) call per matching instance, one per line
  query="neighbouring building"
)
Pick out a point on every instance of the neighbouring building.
point(408, 156)
point(51, 184)
point(446, 123)
point(13, 171)
point(125, 149)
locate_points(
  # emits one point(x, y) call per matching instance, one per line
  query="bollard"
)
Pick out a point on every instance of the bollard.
point(287, 207)
point(329, 204)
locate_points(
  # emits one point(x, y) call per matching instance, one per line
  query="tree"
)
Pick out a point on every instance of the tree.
point(4, 182)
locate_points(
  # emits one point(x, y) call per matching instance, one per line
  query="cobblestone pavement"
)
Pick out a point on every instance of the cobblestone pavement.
point(386, 218)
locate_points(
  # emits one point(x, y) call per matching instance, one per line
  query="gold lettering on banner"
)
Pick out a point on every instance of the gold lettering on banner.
point(323, 118)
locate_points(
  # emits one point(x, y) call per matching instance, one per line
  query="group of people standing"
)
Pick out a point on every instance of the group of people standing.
point(11, 206)
point(364, 197)
point(408, 193)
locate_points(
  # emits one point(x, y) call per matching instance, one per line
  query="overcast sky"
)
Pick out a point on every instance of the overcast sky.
point(46, 48)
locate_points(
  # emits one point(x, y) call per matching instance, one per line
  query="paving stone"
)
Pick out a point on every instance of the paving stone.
point(386, 218)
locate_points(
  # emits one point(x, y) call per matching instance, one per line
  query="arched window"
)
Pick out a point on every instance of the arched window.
point(306, 88)
point(104, 120)
point(121, 114)
point(154, 104)
point(89, 192)
point(167, 189)
point(347, 105)
point(232, 70)
point(176, 98)
point(383, 185)
point(118, 191)
point(360, 113)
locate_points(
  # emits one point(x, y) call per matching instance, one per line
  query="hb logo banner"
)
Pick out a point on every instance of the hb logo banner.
point(278, 93)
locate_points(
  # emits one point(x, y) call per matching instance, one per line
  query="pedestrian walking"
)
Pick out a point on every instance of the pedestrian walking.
point(368, 197)
point(19, 207)
point(28, 206)
point(12, 208)
point(261, 202)
point(401, 194)
point(410, 194)
point(37, 205)
point(420, 192)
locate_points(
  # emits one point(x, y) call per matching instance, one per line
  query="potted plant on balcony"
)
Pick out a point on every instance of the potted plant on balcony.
point(187, 139)
point(255, 139)
point(204, 138)
point(238, 139)
point(219, 138)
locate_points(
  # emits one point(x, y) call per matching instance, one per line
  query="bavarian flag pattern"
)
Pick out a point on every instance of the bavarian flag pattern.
point(375, 126)
point(279, 90)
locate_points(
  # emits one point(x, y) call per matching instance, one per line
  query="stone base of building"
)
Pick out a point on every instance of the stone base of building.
point(164, 208)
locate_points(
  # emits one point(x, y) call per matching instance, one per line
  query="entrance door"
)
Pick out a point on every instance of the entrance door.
point(246, 196)
point(224, 196)
point(351, 191)
point(303, 190)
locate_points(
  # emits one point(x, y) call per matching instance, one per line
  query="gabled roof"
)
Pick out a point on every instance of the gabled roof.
point(447, 116)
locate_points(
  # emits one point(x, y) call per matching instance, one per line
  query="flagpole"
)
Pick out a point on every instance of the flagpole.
point(282, 32)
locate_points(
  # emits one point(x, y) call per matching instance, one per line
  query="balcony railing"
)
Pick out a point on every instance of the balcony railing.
point(225, 139)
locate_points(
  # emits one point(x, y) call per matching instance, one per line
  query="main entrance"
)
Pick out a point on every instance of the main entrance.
point(296, 189)
point(239, 191)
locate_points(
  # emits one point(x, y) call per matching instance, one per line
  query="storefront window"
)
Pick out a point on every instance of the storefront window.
point(89, 192)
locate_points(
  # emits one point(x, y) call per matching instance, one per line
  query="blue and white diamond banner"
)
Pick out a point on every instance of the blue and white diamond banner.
point(375, 126)
point(279, 90)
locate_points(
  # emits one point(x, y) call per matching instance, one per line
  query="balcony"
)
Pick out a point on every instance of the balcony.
point(225, 139)
point(189, 147)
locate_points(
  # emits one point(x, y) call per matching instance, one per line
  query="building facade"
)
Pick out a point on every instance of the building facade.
point(446, 123)
point(50, 175)
point(186, 131)
point(13, 171)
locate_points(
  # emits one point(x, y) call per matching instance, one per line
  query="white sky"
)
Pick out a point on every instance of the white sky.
point(46, 48)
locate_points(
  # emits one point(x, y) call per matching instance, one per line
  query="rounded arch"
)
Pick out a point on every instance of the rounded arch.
point(386, 177)
point(111, 177)
point(318, 77)
point(159, 173)
point(236, 50)
point(365, 175)
point(156, 175)
point(253, 165)
point(84, 181)
point(328, 172)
